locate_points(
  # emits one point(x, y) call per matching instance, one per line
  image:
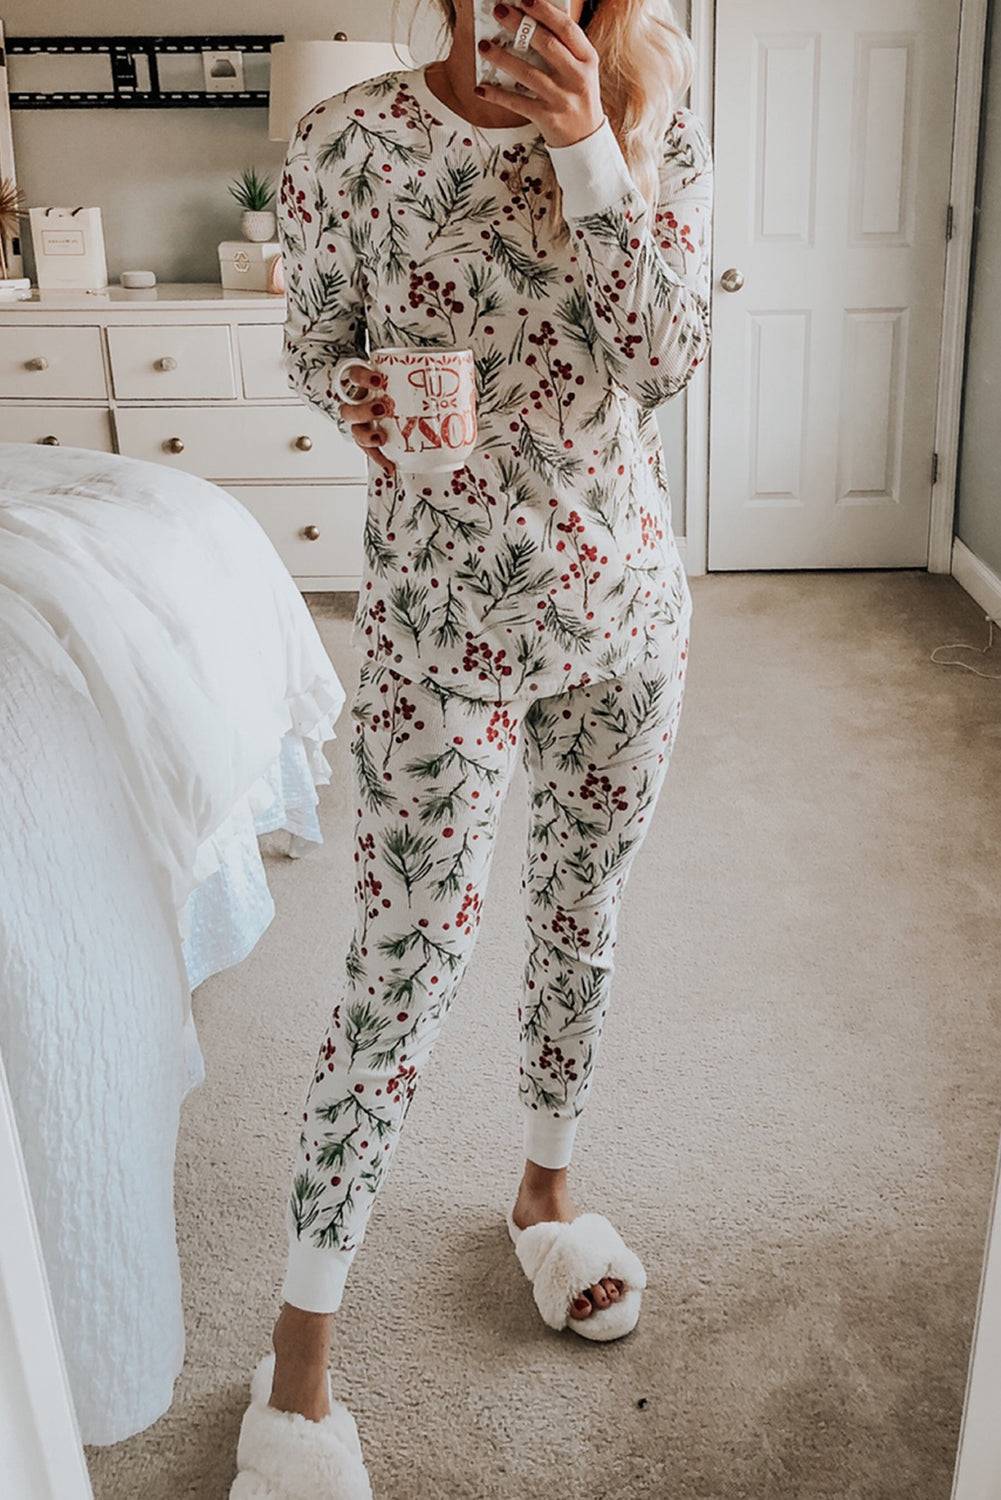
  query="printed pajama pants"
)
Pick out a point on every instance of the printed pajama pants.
point(431, 771)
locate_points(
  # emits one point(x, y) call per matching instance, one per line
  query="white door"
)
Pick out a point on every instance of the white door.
point(833, 145)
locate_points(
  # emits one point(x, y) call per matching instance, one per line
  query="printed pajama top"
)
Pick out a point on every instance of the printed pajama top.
point(548, 560)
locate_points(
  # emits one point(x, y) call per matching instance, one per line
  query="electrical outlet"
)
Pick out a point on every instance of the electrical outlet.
point(223, 72)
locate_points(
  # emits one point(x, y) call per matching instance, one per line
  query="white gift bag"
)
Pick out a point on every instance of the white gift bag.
point(69, 249)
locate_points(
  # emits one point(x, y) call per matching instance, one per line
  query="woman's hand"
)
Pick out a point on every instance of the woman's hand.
point(363, 416)
point(567, 106)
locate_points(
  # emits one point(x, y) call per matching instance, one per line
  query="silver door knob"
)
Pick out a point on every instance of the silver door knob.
point(732, 280)
point(38, 363)
point(304, 443)
point(311, 533)
point(166, 363)
point(50, 442)
point(174, 445)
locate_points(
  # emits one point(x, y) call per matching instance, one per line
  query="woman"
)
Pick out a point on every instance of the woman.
point(531, 604)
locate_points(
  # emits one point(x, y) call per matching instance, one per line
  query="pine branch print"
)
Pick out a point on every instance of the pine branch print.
point(431, 767)
point(530, 277)
point(577, 321)
point(454, 193)
point(569, 632)
point(336, 147)
point(540, 728)
point(391, 250)
point(330, 1236)
point(363, 1026)
point(447, 617)
point(306, 1193)
point(378, 554)
point(530, 657)
point(482, 291)
point(351, 1104)
point(449, 882)
point(575, 747)
point(594, 500)
point(547, 892)
point(375, 793)
point(610, 227)
point(490, 398)
point(361, 182)
point(547, 457)
point(353, 966)
point(408, 606)
point(598, 415)
point(407, 856)
point(516, 485)
point(593, 871)
point(507, 576)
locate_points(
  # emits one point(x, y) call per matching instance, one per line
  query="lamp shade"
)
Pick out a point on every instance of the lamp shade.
point(304, 73)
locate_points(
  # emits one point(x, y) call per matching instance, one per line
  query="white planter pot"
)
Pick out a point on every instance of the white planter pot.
point(258, 225)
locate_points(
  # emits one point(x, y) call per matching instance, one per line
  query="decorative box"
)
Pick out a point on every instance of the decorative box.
point(69, 249)
point(248, 267)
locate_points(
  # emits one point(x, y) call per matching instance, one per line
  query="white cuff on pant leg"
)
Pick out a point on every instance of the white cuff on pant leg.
point(549, 1141)
point(314, 1279)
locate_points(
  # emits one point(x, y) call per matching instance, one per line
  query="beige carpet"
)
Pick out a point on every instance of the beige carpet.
point(795, 1121)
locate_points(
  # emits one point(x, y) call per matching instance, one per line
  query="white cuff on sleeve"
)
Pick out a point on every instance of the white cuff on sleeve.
point(592, 173)
point(548, 1140)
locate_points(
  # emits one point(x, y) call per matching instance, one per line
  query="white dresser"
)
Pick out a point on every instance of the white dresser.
point(189, 376)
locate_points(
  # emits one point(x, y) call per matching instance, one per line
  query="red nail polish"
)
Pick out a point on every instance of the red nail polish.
point(378, 410)
point(479, 89)
point(483, 44)
point(528, 4)
point(500, 11)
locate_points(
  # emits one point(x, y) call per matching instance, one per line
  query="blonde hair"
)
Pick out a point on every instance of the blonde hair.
point(646, 62)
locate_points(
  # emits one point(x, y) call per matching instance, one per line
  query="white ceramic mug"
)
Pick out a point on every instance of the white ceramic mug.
point(431, 395)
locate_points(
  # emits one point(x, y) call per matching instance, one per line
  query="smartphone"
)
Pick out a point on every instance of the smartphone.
point(485, 24)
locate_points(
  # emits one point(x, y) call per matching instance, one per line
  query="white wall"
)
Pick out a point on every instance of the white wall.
point(160, 178)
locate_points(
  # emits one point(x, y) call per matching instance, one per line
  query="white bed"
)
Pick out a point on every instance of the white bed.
point(164, 699)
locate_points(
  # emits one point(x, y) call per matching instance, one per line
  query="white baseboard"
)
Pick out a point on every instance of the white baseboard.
point(980, 582)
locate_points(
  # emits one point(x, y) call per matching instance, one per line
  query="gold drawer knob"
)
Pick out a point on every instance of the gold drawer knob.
point(174, 445)
point(167, 362)
point(311, 533)
point(304, 443)
point(38, 363)
point(49, 442)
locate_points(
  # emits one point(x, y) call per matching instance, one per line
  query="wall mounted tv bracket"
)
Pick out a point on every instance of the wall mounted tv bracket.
point(135, 72)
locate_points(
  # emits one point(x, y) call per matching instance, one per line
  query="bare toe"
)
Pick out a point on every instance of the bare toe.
point(581, 1307)
point(613, 1288)
point(599, 1296)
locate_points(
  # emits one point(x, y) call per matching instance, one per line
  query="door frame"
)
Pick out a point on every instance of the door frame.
point(958, 266)
point(39, 1436)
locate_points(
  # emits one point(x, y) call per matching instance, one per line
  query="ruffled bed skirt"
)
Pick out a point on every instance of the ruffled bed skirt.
point(227, 913)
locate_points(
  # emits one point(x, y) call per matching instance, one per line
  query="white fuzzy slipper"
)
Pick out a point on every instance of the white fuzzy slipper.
point(283, 1456)
point(561, 1260)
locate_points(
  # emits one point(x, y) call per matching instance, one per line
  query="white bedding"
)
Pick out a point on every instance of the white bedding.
point(164, 697)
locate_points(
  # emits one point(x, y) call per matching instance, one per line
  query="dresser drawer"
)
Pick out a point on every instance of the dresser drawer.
point(65, 363)
point(261, 361)
point(288, 512)
point(254, 442)
point(71, 426)
point(172, 363)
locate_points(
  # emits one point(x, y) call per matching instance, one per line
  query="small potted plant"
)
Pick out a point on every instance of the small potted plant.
point(11, 209)
point(255, 194)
